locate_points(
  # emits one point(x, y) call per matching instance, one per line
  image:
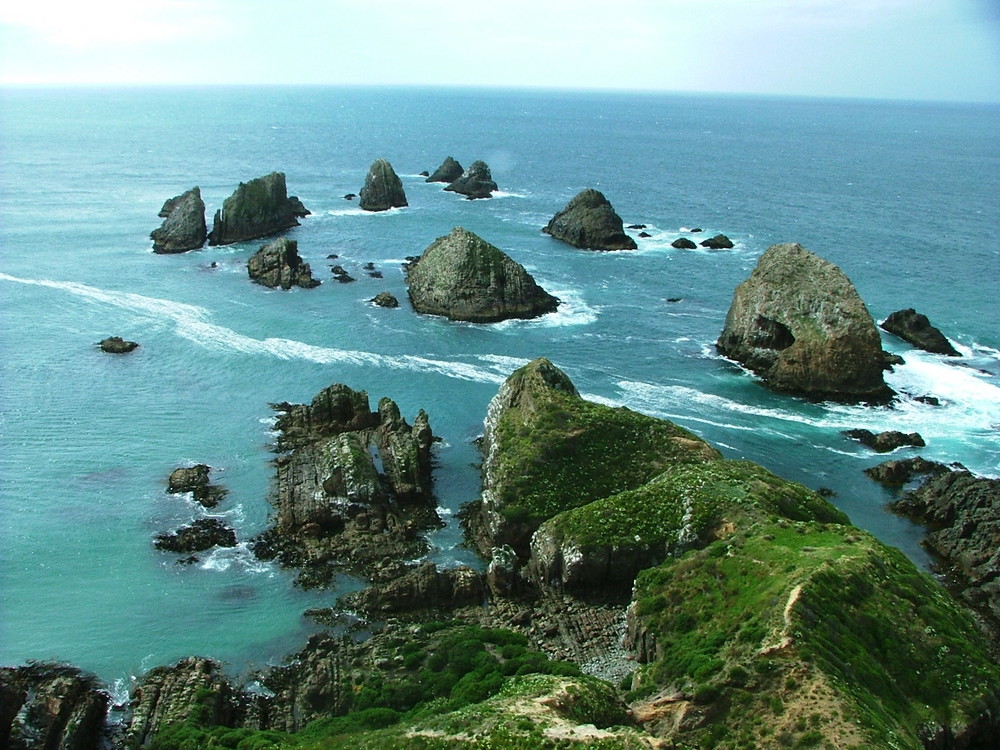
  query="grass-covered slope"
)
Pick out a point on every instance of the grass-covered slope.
point(804, 634)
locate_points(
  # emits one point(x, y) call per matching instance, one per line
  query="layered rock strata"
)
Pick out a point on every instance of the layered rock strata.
point(799, 323)
point(916, 329)
point(475, 182)
point(352, 487)
point(590, 222)
point(383, 189)
point(962, 513)
point(183, 225)
point(258, 208)
point(278, 264)
point(463, 277)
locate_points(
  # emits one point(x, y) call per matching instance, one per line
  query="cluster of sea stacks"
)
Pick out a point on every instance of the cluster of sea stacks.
point(721, 605)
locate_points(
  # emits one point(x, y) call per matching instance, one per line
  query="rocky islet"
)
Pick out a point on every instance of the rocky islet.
point(590, 222)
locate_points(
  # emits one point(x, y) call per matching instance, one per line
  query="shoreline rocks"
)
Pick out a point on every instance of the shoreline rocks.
point(475, 182)
point(962, 514)
point(198, 536)
point(382, 189)
point(589, 222)
point(385, 299)
point(195, 479)
point(183, 225)
point(800, 325)
point(278, 264)
point(718, 242)
point(463, 277)
point(916, 329)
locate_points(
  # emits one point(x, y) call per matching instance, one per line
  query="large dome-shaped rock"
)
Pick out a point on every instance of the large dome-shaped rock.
point(258, 208)
point(590, 222)
point(464, 277)
point(449, 171)
point(916, 329)
point(278, 264)
point(183, 225)
point(799, 323)
point(474, 182)
point(383, 189)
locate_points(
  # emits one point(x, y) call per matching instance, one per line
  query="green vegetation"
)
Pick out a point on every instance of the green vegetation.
point(811, 631)
point(571, 452)
point(683, 505)
point(448, 679)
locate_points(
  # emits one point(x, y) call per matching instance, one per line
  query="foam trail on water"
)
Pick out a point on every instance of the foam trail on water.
point(192, 323)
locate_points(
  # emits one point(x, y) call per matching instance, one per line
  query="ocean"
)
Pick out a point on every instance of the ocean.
point(902, 196)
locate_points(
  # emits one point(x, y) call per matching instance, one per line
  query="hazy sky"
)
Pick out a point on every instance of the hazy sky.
point(902, 49)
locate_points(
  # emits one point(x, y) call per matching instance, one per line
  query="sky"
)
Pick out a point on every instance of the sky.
point(886, 49)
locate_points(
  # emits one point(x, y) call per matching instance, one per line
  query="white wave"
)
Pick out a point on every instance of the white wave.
point(221, 559)
point(507, 194)
point(443, 511)
point(192, 323)
point(572, 311)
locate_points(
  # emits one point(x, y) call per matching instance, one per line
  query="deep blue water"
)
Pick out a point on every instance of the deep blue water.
point(903, 197)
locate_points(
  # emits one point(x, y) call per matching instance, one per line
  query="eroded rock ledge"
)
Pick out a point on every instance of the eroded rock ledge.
point(352, 486)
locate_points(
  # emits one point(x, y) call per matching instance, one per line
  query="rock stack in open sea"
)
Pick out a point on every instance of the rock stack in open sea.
point(590, 222)
point(799, 323)
point(382, 189)
point(258, 208)
point(183, 225)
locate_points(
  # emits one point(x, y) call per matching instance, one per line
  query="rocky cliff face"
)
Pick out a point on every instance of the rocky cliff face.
point(962, 512)
point(353, 492)
point(916, 329)
point(383, 189)
point(258, 208)
point(51, 706)
point(463, 277)
point(183, 225)
point(449, 171)
point(590, 222)
point(799, 323)
point(475, 182)
point(278, 264)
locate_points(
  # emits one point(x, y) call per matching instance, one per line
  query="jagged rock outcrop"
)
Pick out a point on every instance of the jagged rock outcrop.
point(183, 225)
point(278, 264)
point(884, 442)
point(683, 243)
point(916, 329)
point(258, 208)
point(44, 705)
point(424, 587)
point(475, 182)
point(900, 472)
point(195, 479)
point(117, 345)
point(590, 222)
point(383, 189)
point(353, 486)
point(463, 277)
point(449, 171)
point(962, 513)
point(194, 687)
point(718, 242)
point(799, 323)
point(385, 299)
point(198, 536)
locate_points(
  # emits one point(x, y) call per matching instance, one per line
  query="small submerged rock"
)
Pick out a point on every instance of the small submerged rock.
point(117, 345)
point(385, 299)
point(198, 536)
point(718, 242)
point(884, 442)
point(683, 243)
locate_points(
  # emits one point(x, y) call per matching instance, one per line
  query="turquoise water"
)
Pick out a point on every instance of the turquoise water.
point(901, 196)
